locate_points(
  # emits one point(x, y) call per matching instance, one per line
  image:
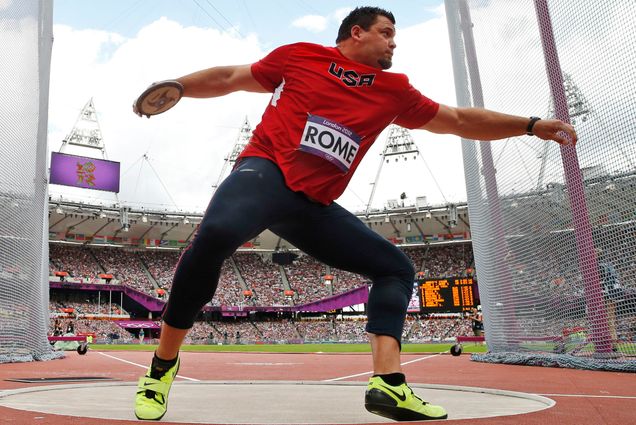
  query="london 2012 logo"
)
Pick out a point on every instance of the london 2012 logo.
point(159, 100)
point(85, 173)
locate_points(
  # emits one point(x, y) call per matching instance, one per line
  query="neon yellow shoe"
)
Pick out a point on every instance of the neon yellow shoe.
point(399, 403)
point(151, 402)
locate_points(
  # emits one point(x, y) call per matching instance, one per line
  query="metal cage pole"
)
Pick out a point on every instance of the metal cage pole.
point(588, 261)
point(459, 22)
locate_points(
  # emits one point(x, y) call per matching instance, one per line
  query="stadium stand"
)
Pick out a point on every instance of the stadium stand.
point(229, 291)
point(78, 262)
point(440, 329)
point(446, 261)
point(126, 268)
point(278, 330)
point(262, 278)
point(306, 277)
point(161, 265)
point(319, 330)
point(345, 281)
point(236, 331)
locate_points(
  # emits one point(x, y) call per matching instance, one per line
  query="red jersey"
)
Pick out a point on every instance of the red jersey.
point(325, 113)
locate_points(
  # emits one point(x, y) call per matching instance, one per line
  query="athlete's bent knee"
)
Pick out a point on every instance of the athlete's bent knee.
point(404, 273)
point(218, 237)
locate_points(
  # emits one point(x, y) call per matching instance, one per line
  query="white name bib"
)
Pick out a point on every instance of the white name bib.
point(331, 141)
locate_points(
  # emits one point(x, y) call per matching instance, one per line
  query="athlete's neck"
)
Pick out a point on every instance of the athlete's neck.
point(350, 53)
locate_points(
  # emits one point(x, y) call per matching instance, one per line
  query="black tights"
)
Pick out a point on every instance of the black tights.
point(254, 198)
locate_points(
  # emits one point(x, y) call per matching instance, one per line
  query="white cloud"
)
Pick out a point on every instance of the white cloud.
point(341, 13)
point(319, 23)
point(313, 23)
point(186, 145)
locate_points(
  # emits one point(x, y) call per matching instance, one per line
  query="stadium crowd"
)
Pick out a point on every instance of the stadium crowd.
point(79, 263)
point(247, 279)
point(245, 331)
point(259, 282)
point(125, 267)
point(303, 275)
point(263, 278)
point(85, 308)
point(229, 292)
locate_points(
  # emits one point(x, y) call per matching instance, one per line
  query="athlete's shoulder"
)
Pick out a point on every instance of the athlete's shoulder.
point(397, 76)
point(397, 79)
point(308, 46)
point(311, 49)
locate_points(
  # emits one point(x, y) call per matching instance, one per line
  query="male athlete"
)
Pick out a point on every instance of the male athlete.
point(329, 104)
point(477, 322)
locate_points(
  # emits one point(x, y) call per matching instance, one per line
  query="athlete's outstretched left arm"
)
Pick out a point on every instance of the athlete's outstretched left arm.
point(483, 124)
point(219, 81)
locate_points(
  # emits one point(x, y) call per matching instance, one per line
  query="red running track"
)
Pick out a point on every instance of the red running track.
point(583, 397)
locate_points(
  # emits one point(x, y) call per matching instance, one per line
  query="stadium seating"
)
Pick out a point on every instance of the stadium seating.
point(149, 270)
point(126, 267)
point(262, 278)
point(305, 279)
point(77, 262)
point(305, 276)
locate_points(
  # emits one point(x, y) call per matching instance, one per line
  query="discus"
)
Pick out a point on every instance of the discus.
point(158, 98)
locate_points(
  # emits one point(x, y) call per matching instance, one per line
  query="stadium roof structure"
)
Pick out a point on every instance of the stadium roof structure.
point(119, 226)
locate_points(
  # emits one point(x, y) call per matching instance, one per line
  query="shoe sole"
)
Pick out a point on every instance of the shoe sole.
point(399, 414)
point(152, 419)
point(381, 404)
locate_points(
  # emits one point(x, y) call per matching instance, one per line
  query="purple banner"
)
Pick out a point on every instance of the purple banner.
point(84, 172)
point(138, 324)
point(234, 313)
point(355, 296)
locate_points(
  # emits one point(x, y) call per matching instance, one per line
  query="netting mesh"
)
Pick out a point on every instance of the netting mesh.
point(554, 231)
point(25, 48)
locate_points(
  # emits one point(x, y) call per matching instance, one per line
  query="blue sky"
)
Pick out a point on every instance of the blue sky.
point(271, 19)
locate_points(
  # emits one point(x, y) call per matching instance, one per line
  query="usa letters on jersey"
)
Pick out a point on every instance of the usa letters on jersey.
point(331, 141)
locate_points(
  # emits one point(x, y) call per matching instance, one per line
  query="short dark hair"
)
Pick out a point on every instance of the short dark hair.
point(364, 17)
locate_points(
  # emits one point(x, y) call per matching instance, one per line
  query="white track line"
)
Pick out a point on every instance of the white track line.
point(371, 372)
point(590, 396)
point(142, 366)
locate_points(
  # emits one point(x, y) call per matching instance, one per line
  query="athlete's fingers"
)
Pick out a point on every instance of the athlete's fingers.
point(556, 130)
point(571, 132)
point(561, 139)
point(134, 107)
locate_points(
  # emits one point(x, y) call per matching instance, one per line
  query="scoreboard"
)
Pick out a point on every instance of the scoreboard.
point(446, 295)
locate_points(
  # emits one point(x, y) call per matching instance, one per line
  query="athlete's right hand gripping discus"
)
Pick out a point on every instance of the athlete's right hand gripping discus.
point(158, 98)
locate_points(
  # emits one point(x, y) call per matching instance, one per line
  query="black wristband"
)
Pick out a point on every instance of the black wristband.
point(533, 120)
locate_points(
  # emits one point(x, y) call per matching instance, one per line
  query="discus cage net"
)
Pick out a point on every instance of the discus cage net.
point(25, 53)
point(553, 227)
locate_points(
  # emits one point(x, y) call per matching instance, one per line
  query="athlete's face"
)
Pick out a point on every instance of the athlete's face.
point(378, 43)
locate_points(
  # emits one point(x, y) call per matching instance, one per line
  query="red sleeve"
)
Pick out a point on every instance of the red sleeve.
point(418, 110)
point(269, 70)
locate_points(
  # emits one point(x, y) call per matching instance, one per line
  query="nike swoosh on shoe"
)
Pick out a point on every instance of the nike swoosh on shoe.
point(402, 396)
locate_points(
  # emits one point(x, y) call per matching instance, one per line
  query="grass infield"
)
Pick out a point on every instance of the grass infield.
point(294, 348)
